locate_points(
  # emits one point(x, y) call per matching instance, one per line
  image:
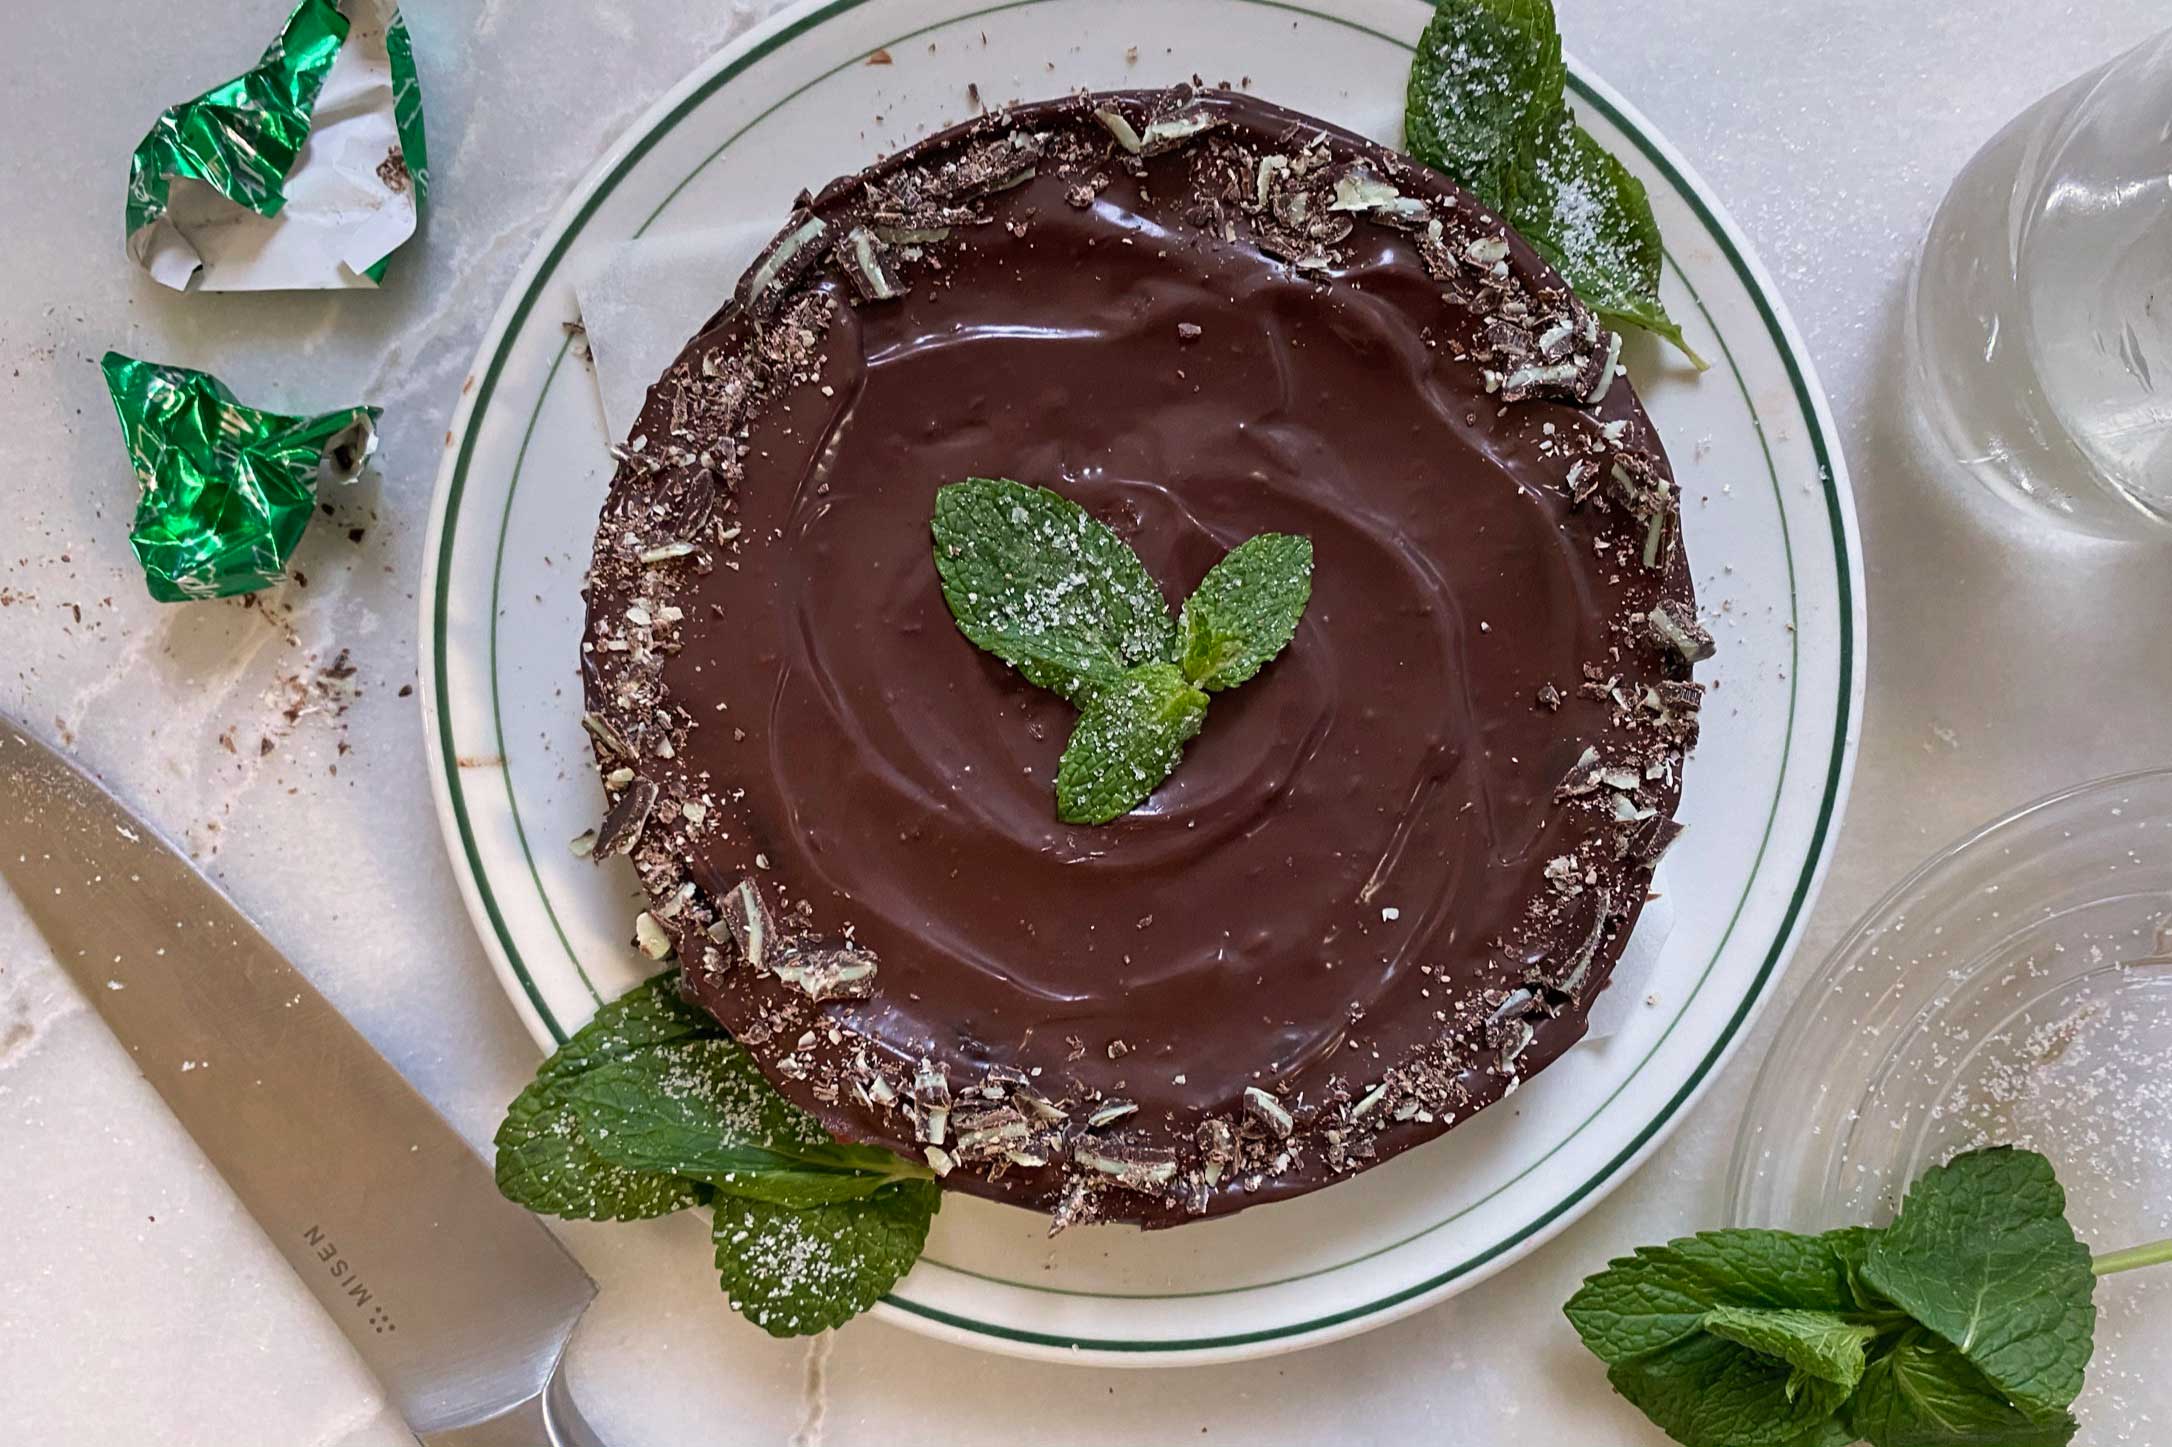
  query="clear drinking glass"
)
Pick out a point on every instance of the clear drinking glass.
point(2040, 314)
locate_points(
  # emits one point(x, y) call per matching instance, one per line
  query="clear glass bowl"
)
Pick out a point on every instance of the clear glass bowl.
point(2015, 989)
point(2036, 330)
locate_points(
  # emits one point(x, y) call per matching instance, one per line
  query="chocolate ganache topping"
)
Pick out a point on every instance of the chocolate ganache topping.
point(1379, 890)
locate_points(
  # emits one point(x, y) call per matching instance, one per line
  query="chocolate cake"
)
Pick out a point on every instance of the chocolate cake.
point(1381, 890)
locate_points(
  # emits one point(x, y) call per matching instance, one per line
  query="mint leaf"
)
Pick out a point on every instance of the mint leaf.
point(1662, 1294)
point(1707, 1392)
point(1593, 223)
point(699, 1110)
point(1982, 1254)
point(1045, 586)
point(793, 1273)
point(1818, 1344)
point(1485, 106)
point(1245, 610)
point(545, 1160)
point(1034, 579)
point(1923, 1393)
point(1650, 1317)
point(1127, 741)
point(1486, 75)
point(651, 1107)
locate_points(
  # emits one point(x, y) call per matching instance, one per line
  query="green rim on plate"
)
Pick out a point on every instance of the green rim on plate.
point(1587, 96)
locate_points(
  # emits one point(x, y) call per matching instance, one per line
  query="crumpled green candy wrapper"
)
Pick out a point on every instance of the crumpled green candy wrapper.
point(305, 173)
point(227, 489)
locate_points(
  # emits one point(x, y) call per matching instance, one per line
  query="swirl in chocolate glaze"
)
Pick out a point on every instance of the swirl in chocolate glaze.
point(1387, 879)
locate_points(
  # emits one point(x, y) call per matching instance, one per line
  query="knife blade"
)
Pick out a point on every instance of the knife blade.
point(460, 1301)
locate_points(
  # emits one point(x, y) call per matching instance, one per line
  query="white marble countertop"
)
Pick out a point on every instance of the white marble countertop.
point(138, 1306)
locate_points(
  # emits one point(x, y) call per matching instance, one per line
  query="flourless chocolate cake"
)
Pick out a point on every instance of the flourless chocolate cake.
point(1379, 891)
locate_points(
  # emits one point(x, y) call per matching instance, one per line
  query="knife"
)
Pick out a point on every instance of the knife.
point(460, 1301)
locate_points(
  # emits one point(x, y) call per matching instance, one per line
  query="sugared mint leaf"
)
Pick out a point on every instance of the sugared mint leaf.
point(1245, 610)
point(1045, 586)
point(1982, 1254)
point(793, 1273)
point(1593, 223)
point(1037, 581)
point(1923, 1393)
point(651, 1107)
point(1128, 739)
point(1820, 1344)
point(1485, 106)
point(545, 1160)
point(1486, 75)
point(699, 1110)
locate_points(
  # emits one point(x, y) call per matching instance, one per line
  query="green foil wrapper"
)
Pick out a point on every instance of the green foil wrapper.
point(227, 489)
point(356, 196)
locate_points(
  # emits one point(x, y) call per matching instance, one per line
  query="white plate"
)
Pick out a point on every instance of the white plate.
point(1770, 527)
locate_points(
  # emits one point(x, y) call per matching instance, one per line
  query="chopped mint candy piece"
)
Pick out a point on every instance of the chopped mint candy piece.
point(1245, 610)
point(1128, 740)
point(1486, 75)
point(1042, 584)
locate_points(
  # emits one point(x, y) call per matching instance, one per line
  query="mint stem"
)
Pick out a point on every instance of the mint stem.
point(2156, 1253)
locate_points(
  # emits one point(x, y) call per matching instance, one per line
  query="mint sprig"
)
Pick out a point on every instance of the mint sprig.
point(1485, 105)
point(1045, 586)
point(1966, 1323)
point(651, 1108)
